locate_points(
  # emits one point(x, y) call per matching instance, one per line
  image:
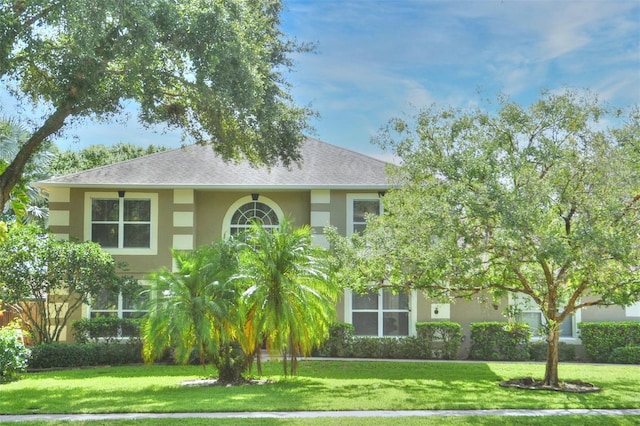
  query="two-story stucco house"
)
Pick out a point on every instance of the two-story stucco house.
point(139, 209)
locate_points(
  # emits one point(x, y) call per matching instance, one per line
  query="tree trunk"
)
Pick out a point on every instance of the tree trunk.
point(551, 369)
point(13, 172)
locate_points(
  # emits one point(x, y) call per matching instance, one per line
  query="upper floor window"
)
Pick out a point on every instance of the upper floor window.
point(248, 210)
point(359, 207)
point(122, 224)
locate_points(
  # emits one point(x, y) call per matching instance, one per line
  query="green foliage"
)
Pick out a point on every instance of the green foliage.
point(543, 202)
point(289, 294)
point(538, 351)
point(13, 354)
point(388, 348)
point(340, 341)
point(65, 355)
point(25, 204)
point(439, 340)
point(106, 329)
point(600, 339)
point(97, 155)
point(499, 341)
point(197, 309)
point(213, 69)
point(442, 337)
point(47, 280)
point(629, 354)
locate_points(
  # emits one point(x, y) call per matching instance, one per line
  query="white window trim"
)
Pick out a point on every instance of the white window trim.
point(120, 311)
point(226, 222)
point(357, 197)
point(576, 319)
point(153, 237)
point(413, 309)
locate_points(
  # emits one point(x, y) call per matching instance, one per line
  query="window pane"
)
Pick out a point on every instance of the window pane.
point(365, 301)
point(137, 210)
point(394, 301)
point(362, 208)
point(104, 210)
point(534, 319)
point(358, 228)
point(105, 234)
point(135, 302)
point(395, 323)
point(137, 235)
point(103, 314)
point(365, 323)
point(566, 328)
point(105, 301)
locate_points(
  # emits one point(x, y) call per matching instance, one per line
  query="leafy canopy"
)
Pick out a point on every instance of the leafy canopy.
point(213, 68)
point(544, 202)
point(47, 280)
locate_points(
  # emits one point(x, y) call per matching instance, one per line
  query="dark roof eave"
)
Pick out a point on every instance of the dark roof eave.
point(371, 187)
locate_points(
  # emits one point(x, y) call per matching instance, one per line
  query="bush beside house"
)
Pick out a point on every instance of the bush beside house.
point(611, 341)
point(13, 354)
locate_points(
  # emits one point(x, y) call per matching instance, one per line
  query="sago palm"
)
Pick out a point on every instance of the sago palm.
point(290, 299)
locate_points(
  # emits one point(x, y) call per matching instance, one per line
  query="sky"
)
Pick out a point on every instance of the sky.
point(379, 59)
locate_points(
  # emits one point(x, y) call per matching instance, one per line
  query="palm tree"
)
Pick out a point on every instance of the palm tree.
point(196, 309)
point(290, 299)
point(25, 202)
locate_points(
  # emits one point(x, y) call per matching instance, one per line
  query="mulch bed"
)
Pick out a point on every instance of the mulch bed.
point(529, 383)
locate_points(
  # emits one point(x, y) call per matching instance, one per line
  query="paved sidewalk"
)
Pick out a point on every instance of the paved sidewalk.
point(316, 414)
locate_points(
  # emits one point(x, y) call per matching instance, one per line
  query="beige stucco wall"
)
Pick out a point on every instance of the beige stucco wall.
point(212, 206)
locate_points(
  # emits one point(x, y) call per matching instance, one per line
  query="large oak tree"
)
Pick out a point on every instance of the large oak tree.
point(542, 202)
point(213, 68)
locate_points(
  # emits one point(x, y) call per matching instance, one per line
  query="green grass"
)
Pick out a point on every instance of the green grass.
point(319, 385)
point(350, 421)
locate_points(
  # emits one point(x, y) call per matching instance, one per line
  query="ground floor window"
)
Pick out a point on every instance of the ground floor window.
point(529, 313)
point(118, 305)
point(380, 313)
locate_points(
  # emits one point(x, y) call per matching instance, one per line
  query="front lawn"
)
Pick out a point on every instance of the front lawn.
point(319, 385)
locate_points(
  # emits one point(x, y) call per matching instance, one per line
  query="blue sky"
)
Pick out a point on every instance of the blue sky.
point(378, 59)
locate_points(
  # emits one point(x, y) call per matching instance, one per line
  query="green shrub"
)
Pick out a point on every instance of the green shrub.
point(538, 351)
point(60, 355)
point(440, 339)
point(499, 341)
point(600, 339)
point(105, 329)
point(626, 355)
point(13, 354)
point(339, 342)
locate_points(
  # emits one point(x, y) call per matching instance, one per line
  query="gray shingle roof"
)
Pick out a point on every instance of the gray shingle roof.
point(323, 166)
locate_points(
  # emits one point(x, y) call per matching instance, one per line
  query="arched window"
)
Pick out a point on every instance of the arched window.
point(246, 211)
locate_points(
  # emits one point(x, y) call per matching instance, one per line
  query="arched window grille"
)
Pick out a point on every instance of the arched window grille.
point(250, 212)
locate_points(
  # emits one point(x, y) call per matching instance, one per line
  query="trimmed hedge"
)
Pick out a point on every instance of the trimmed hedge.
point(105, 329)
point(538, 351)
point(499, 341)
point(62, 355)
point(600, 339)
point(438, 339)
point(626, 355)
point(441, 339)
point(340, 341)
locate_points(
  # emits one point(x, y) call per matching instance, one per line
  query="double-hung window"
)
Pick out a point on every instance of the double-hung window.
point(122, 224)
point(529, 313)
point(377, 313)
point(118, 305)
point(380, 313)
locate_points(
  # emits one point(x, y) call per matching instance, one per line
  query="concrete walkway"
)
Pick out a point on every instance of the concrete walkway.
point(316, 414)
